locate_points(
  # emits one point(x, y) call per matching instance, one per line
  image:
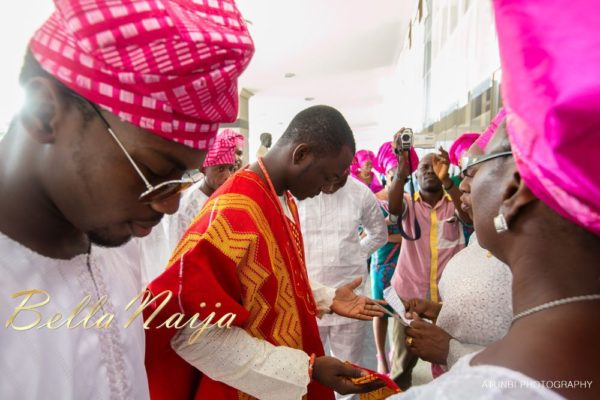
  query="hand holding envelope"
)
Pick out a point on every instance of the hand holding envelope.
point(384, 392)
point(392, 298)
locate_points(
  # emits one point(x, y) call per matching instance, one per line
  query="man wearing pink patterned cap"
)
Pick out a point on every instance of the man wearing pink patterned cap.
point(122, 99)
point(238, 140)
point(220, 163)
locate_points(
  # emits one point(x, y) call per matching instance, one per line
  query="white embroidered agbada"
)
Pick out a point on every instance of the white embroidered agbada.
point(157, 247)
point(70, 363)
point(482, 382)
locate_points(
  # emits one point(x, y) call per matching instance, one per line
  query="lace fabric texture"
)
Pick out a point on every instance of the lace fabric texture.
point(476, 291)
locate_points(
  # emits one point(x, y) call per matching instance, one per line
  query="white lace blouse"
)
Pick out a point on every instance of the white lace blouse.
point(476, 290)
point(483, 382)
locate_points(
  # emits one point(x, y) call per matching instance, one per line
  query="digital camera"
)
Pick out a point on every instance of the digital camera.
point(406, 139)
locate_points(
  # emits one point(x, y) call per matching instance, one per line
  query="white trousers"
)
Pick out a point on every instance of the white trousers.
point(346, 343)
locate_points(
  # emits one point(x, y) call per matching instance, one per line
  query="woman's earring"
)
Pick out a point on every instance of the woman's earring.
point(500, 223)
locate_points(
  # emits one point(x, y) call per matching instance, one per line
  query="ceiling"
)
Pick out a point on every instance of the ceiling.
point(342, 52)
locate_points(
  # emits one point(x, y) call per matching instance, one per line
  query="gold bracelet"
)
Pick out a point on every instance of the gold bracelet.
point(311, 365)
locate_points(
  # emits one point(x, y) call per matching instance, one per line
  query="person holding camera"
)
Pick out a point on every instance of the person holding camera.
point(432, 221)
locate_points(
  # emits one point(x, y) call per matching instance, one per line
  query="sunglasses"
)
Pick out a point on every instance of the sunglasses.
point(468, 163)
point(161, 191)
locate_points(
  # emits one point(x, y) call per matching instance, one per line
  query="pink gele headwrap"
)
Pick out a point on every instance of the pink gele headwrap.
point(460, 146)
point(386, 158)
point(485, 137)
point(167, 66)
point(360, 158)
point(550, 54)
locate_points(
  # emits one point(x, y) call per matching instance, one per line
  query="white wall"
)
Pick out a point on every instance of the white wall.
point(18, 21)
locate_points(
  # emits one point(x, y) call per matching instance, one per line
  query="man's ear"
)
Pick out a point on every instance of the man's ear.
point(515, 197)
point(301, 154)
point(41, 110)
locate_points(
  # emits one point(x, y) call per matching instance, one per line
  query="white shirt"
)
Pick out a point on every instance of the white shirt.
point(157, 247)
point(335, 253)
point(190, 205)
point(483, 382)
point(476, 290)
point(73, 363)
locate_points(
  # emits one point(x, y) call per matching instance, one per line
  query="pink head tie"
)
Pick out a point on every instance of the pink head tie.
point(360, 158)
point(485, 137)
point(460, 146)
point(167, 66)
point(550, 53)
point(387, 159)
point(222, 152)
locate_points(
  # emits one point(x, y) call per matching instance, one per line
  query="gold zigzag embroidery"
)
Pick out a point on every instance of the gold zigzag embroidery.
point(187, 243)
point(242, 248)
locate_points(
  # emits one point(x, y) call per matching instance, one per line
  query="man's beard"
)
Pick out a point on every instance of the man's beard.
point(431, 187)
point(103, 238)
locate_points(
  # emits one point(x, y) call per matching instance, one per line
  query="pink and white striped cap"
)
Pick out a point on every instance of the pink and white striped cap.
point(167, 66)
point(222, 152)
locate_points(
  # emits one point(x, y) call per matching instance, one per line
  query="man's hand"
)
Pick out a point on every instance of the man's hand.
point(428, 341)
point(423, 308)
point(348, 304)
point(337, 375)
point(441, 165)
point(396, 142)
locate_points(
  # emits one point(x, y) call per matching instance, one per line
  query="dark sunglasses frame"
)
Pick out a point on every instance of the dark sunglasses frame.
point(468, 162)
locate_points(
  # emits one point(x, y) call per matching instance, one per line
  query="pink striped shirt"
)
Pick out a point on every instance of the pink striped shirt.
point(421, 262)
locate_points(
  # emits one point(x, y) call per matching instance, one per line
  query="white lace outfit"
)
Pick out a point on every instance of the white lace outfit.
point(476, 291)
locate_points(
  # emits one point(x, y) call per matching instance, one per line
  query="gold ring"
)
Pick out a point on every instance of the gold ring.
point(409, 340)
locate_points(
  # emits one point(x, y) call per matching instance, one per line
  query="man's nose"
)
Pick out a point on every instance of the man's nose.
point(168, 205)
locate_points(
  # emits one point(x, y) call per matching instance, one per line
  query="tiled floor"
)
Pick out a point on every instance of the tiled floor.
point(421, 373)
